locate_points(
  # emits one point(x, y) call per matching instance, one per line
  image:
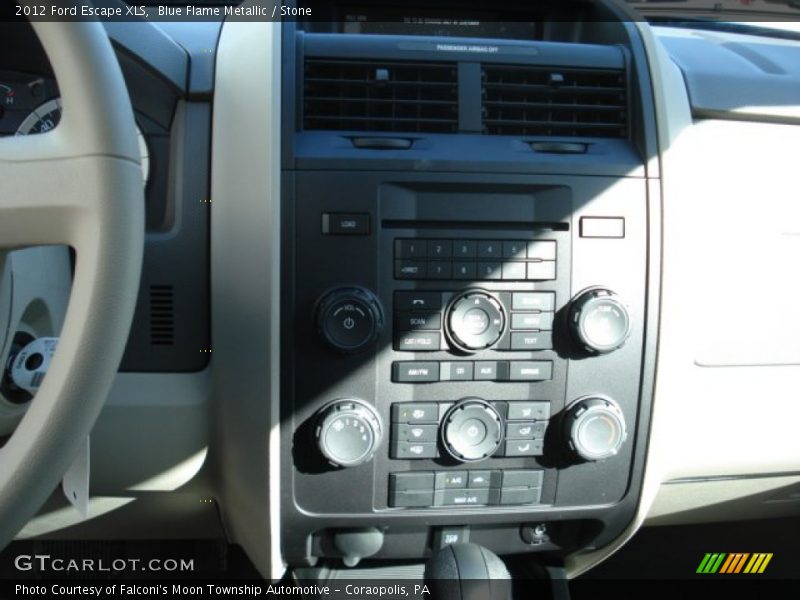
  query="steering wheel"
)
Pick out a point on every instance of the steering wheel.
point(79, 185)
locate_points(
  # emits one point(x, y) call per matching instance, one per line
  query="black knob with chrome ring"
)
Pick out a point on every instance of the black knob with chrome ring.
point(349, 319)
point(471, 430)
point(475, 321)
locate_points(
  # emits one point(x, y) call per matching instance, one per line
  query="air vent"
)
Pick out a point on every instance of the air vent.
point(162, 315)
point(356, 95)
point(548, 101)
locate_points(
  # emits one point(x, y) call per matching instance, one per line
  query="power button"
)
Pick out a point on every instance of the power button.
point(349, 319)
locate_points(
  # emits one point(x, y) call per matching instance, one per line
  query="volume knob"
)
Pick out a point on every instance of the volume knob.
point(349, 319)
point(348, 432)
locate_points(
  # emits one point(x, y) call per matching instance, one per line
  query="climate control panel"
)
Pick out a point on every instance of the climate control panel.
point(469, 430)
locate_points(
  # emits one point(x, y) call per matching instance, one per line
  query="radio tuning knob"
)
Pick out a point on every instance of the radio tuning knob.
point(595, 428)
point(599, 321)
point(475, 320)
point(348, 432)
point(349, 319)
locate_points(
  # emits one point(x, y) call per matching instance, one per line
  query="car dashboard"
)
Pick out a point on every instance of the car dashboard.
point(412, 280)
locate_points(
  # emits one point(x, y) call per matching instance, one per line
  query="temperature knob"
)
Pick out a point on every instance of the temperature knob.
point(349, 319)
point(348, 432)
point(599, 321)
point(595, 428)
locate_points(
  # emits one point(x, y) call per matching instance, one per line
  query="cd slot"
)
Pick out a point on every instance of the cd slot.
point(475, 225)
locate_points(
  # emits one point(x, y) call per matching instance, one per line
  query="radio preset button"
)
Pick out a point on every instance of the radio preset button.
point(440, 249)
point(411, 248)
point(515, 249)
point(464, 270)
point(514, 271)
point(490, 270)
point(440, 269)
point(542, 271)
point(465, 249)
point(542, 249)
point(490, 249)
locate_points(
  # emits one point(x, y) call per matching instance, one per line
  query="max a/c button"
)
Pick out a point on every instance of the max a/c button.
point(345, 224)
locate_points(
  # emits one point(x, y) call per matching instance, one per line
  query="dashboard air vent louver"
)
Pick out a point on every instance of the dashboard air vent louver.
point(553, 101)
point(387, 96)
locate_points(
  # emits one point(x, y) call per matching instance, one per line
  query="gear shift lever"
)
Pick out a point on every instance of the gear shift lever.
point(467, 572)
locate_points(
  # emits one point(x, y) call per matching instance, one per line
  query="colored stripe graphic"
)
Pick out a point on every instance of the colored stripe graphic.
point(758, 563)
point(734, 563)
point(711, 562)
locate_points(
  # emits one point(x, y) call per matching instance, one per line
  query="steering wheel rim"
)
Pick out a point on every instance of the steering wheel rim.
point(79, 185)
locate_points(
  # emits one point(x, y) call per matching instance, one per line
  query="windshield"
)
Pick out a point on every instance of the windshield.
point(779, 18)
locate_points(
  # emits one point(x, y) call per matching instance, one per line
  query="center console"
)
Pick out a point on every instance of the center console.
point(465, 308)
